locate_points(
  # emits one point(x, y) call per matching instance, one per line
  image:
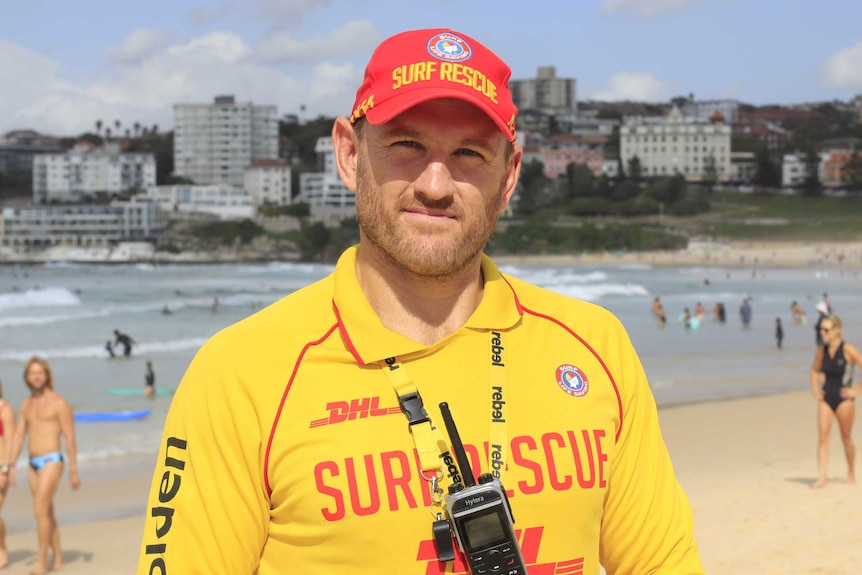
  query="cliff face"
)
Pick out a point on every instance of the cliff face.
point(261, 248)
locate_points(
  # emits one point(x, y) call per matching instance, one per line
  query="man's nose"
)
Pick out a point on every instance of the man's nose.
point(436, 181)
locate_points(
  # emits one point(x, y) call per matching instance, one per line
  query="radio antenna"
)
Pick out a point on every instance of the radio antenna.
point(457, 446)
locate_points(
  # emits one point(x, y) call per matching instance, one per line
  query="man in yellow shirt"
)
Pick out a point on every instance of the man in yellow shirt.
point(286, 448)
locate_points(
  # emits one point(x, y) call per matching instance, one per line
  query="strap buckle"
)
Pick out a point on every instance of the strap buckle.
point(411, 405)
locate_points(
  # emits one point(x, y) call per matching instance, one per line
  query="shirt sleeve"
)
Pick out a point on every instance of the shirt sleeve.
point(647, 526)
point(207, 510)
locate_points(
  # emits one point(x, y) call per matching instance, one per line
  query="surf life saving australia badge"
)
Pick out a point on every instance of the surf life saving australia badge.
point(572, 380)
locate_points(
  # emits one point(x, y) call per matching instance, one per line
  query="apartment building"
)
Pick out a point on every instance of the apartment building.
point(676, 144)
point(794, 169)
point(324, 187)
point(87, 171)
point(18, 148)
point(81, 225)
point(545, 92)
point(268, 183)
point(215, 143)
point(557, 152)
point(191, 201)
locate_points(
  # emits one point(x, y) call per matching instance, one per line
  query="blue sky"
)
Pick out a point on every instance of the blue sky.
point(66, 63)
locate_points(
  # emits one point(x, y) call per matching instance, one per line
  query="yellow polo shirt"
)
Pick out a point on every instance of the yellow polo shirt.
point(285, 450)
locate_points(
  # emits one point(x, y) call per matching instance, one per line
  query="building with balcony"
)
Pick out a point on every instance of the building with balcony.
point(81, 225)
point(324, 188)
point(215, 143)
point(87, 172)
point(676, 144)
point(193, 201)
point(268, 183)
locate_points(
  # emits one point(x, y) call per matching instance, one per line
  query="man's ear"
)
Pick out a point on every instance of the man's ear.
point(346, 146)
point(513, 172)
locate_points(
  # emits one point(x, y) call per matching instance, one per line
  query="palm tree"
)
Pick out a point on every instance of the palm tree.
point(137, 126)
point(107, 133)
point(99, 127)
point(117, 125)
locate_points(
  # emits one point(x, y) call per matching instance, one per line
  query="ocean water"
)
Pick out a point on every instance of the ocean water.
point(67, 312)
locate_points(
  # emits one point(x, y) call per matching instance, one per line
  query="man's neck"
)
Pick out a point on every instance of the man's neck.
point(424, 309)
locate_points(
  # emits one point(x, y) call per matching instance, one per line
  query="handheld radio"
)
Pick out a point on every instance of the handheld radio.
point(480, 516)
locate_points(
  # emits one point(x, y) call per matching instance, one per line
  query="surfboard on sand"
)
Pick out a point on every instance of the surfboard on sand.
point(111, 415)
point(138, 391)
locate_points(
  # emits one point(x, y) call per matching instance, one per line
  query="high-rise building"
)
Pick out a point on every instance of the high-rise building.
point(545, 92)
point(215, 143)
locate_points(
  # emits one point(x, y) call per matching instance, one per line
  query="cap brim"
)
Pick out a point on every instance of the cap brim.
point(382, 113)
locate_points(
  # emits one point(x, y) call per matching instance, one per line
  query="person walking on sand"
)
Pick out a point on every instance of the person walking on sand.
point(45, 417)
point(7, 431)
point(779, 332)
point(150, 380)
point(832, 385)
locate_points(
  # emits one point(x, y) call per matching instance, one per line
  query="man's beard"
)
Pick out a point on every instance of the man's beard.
point(429, 256)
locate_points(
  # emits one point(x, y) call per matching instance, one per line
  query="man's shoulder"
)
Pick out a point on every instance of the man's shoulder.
point(297, 317)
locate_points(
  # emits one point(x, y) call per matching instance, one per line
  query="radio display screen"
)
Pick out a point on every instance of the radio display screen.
point(484, 530)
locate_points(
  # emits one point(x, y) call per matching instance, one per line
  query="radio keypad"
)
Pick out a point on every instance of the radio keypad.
point(500, 560)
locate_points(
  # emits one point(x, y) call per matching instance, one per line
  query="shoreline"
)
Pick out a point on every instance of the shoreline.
point(838, 255)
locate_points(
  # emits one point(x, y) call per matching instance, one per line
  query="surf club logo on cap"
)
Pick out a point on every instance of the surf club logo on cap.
point(572, 380)
point(449, 47)
point(420, 65)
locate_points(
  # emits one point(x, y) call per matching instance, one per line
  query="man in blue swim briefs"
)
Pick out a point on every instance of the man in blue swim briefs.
point(46, 417)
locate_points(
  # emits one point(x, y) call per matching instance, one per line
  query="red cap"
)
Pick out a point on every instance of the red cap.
point(420, 65)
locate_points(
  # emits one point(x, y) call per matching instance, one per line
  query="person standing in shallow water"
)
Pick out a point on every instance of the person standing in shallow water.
point(149, 379)
point(45, 417)
point(7, 431)
point(832, 385)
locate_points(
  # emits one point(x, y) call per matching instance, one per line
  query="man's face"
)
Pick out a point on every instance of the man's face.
point(36, 376)
point(430, 185)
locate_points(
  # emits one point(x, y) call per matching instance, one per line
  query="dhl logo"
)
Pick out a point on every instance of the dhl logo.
point(340, 411)
point(530, 542)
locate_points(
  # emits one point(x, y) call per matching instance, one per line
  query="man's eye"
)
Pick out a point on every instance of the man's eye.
point(468, 152)
point(407, 143)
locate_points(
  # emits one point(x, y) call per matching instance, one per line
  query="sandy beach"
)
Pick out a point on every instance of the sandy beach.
point(745, 465)
point(835, 255)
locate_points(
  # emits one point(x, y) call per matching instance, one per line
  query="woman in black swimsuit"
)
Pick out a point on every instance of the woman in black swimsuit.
point(832, 384)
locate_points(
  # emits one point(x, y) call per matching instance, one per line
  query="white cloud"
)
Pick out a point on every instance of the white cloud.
point(139, 45)
point(642, 87)
point(283, 48)
point(646, 8)
point(145, 90)
point(844, 69)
